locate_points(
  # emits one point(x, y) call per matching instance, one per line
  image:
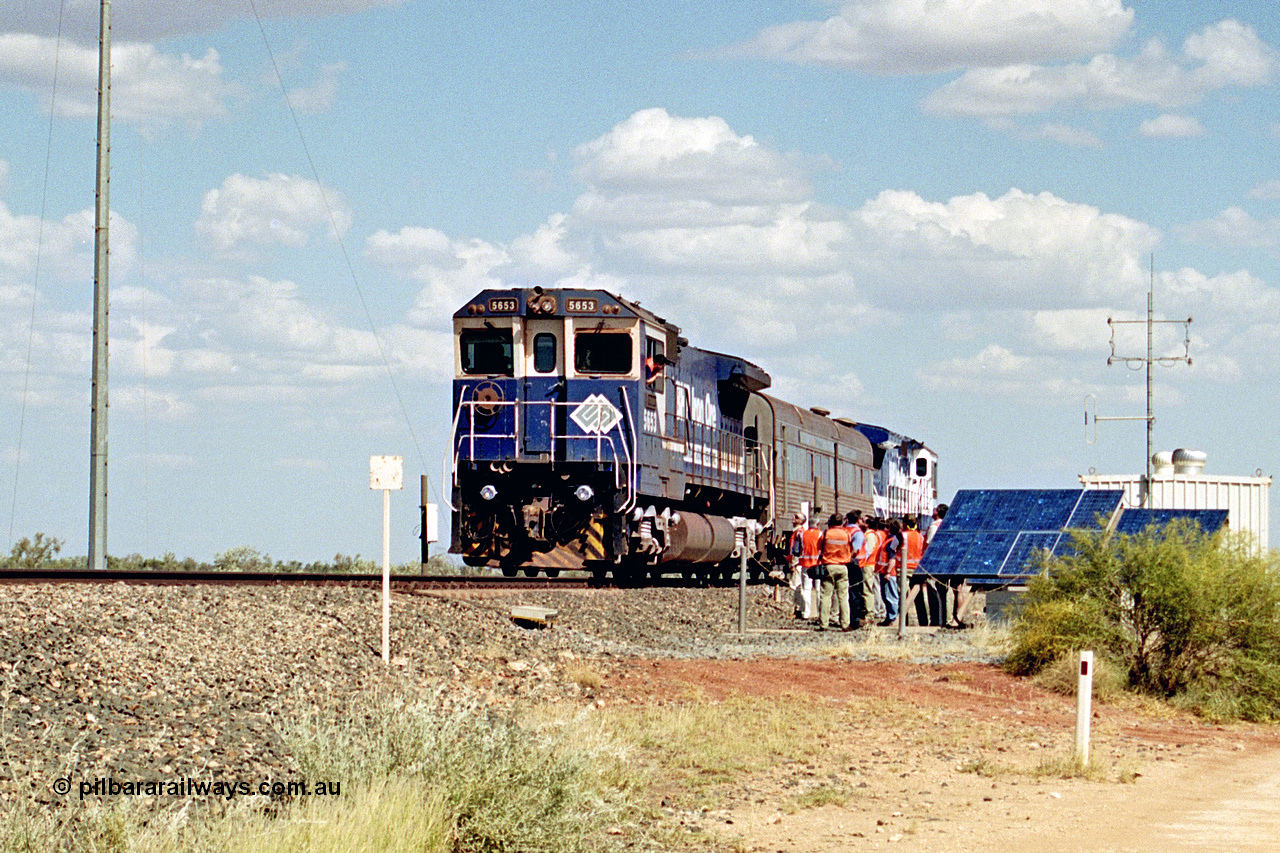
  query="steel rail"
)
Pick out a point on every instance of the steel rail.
point(162, 578)
point(400, 583)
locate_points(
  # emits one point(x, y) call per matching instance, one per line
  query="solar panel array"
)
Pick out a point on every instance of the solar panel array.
point(999, 534)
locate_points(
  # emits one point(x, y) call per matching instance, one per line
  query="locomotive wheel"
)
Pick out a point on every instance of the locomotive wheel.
point(509, 571)
point(532, 572)
point(552, 573)
point(475, 561)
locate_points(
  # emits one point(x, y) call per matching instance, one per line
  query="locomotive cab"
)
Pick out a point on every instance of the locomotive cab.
point(546, 391)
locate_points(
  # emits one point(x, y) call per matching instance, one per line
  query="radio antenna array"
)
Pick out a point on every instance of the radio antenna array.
point(1134, 362)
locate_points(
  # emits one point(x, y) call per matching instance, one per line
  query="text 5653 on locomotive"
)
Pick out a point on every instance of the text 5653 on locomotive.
point(586, 431)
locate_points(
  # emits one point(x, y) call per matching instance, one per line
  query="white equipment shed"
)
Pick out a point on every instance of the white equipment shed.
point(1178, 481)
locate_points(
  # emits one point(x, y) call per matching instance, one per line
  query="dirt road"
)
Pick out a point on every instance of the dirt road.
point(965, 758)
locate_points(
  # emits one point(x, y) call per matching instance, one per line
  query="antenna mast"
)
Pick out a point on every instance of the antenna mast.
point(102, 215)
point(1139, 362)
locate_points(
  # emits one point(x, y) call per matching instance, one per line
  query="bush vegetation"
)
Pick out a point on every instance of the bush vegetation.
point(1185, 616)
point(443, 774)
point(37, 552)
point(41, 552)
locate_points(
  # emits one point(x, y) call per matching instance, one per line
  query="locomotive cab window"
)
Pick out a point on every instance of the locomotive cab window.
point(486, 352)
point(922, 466)
point(544, 352)
point(602, 352)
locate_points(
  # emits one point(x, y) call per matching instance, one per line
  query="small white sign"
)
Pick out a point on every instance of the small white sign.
point(433, 523)
point(596, 414)
point(386, 472)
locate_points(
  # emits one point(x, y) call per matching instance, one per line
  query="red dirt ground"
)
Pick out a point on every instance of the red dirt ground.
point(1195, 785)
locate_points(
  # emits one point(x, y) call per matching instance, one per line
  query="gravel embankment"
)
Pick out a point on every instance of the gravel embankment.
point(190, 681)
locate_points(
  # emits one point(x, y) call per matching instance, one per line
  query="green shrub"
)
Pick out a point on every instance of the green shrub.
point(504, 786)
point(1063, 676)
point(33, 553)
point(1050, 629)
point(1187, 615)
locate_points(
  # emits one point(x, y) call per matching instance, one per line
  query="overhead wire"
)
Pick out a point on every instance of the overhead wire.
point(333, 224)
point(142, 286)
point(35, 281)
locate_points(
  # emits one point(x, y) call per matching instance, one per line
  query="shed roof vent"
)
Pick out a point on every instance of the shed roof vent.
point(1190, 462)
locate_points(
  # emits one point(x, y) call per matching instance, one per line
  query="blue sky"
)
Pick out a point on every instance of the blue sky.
point(914, 214)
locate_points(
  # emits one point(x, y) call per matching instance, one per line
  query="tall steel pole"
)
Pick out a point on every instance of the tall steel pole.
point(1151, 417)
point(1133, 361)
point(102, 214)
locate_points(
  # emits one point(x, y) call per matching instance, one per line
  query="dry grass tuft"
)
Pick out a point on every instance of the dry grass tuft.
point(584, 676)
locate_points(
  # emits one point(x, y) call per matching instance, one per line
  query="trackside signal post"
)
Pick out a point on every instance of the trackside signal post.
point(430, 524)
point(386, 473)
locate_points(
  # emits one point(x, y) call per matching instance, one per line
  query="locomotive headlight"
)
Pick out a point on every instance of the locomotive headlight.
point(488, 492)
point(584, 493)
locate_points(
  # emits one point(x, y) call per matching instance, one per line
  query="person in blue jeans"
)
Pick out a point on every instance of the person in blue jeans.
point(889, 579)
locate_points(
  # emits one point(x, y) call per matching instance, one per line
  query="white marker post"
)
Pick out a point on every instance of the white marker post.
point(1084, 706)
point(386, 473)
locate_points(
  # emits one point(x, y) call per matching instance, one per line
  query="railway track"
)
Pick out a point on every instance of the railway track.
point(399, 583)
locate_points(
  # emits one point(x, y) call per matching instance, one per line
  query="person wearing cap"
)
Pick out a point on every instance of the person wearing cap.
point(888, 571)
point(857, 608)
point(867, 557)
point(804, 554)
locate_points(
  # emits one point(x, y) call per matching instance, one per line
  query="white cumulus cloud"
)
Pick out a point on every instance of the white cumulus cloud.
point(449, 270)
point(1019, 250)
point(890, 36)
point(148, 86)
point(1234, 226)
point(153, 19)
point(687, 158)
point(279, 210)
point(1224, 54)
point(1170, 125)
point(1267, 190)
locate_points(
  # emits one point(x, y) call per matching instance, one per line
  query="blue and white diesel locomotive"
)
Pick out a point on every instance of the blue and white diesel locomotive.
point(588, 433)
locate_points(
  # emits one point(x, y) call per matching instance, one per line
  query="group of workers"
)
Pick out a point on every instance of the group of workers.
point(855, 563)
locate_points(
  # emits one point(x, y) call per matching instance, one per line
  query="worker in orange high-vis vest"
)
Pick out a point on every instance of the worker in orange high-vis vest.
point(837, 552)
point(805, 549)
point(873, 541)
point(912, 550)
point(928, 596)
point(887, 569)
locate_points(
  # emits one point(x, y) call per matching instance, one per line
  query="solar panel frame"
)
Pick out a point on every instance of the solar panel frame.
point(1092, 504)
point(988, 552)
point(945, 555)
point(969, 510)
point(994, 534)
point(1050, 510)
point(1137, 520)
point(1021, 560)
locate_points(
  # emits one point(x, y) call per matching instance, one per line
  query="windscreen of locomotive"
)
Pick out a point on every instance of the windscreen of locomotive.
point(602, 352)
point(487, 352)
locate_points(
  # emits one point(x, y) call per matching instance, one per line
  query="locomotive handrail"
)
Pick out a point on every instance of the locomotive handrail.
point(453, 439)
point(631, 464)
point(600, 439)
point(717, 456)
